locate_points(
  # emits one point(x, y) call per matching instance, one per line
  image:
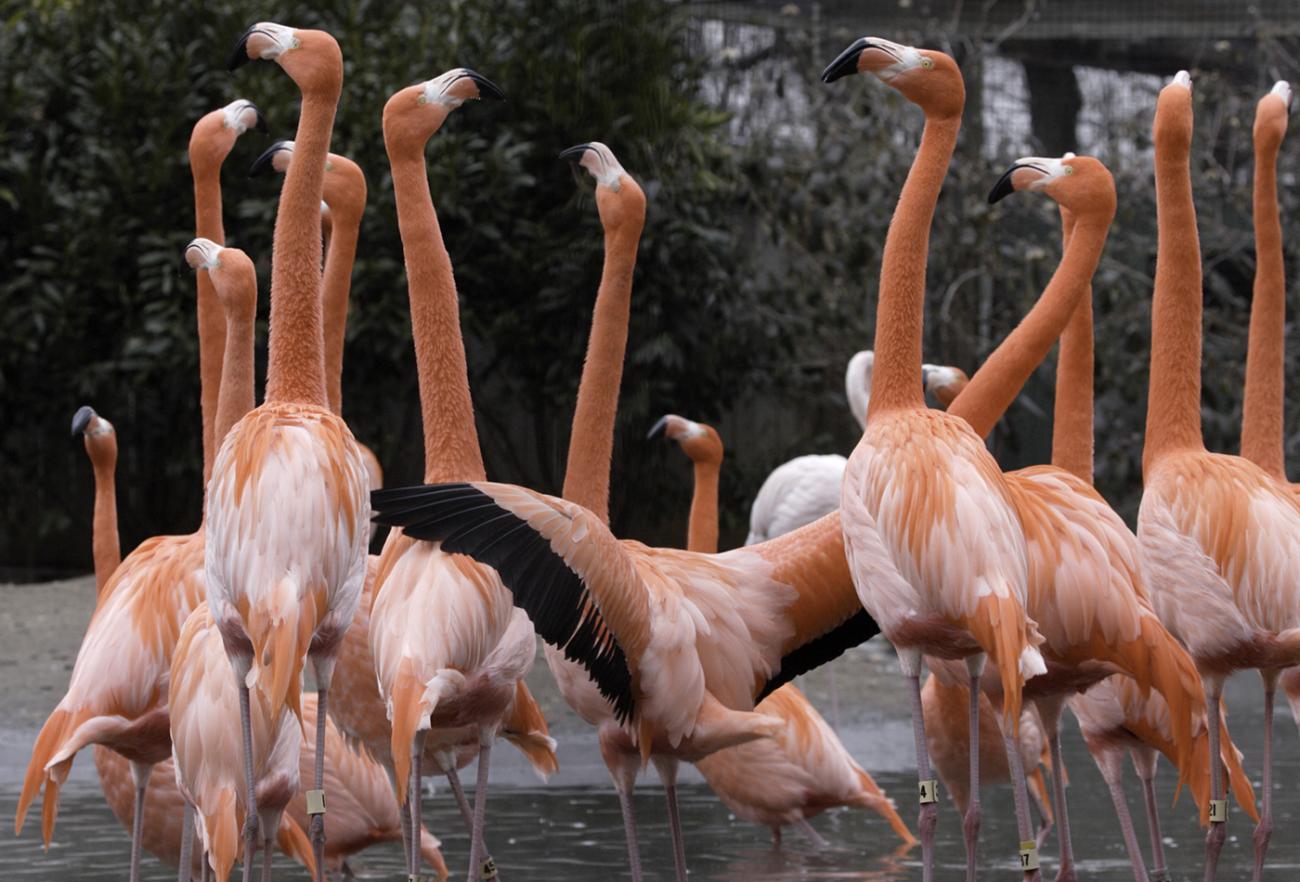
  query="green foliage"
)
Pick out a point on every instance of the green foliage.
point(755, 283)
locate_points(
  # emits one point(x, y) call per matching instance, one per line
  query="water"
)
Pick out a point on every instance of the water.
point(570, 828)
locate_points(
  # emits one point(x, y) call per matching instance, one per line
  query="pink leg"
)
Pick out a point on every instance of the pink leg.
point(1144, 761)
point(140, 775)
point(317, 826)
point(250, 798)
point(813, 836)
point(268, 851)
point(1264, 830)
point(1049, 712)
point(1111, 765)
point(1021, 793)
point(971, 822)
point(1218, 832)
point(629, 831)
point(776, 838)
point(668, 774)
point(416, 815)
point(476, 849)
point(404, 812)
point(185, 870)
point(928, 819)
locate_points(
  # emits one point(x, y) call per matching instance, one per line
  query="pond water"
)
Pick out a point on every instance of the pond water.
point(570, 828)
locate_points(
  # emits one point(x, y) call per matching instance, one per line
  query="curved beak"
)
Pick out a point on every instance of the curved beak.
point(846, 63)
point(1041, 169)
point(266, 162)
point(81, 419)
point(260, 120)
point(486, 88)
point(574, 153)
point(239, 54)
point(439, 89)
point(1005, 186)
point(281, 40)
point(658, 428)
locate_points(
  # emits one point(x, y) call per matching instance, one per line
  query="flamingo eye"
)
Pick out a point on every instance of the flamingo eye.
point(927, 63)
point(1069, 169)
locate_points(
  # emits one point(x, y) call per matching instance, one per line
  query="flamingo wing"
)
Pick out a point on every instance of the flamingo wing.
point(561, 563)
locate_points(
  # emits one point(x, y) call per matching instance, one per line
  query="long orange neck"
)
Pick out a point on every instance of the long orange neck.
point(451, 450)
point(896, 376)
point(1174, 391)
point(340, 255)
point(212, 327)
point(591, 445)
point(702, 534)
point(236, 398)
point(105, 544)
point(1001, 377)
point(1262, 416)
point(1072, 430)
point(295, 370)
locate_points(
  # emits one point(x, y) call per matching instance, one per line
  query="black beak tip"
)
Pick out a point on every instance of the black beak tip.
point(239, 55)
point(486, 88)
point(845, 63)
point(658, 428)
point(81, 419)
point(1003, 188)
point(260, 125)
point(574, 153)
point(262, 164)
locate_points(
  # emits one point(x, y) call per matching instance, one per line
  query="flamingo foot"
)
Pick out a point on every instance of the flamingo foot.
point(970, 828)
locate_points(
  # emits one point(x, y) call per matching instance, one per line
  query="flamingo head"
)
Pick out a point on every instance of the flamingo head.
point(312, 59)
point(926, 77)
point(619, 198)
point(1079, 184)
point(100, 438)
point(417, 112)
point(1271, 116)
point(344, 186)
point(1172, 130)
point(215, 133)
point(944, 382)
point(232, 272)
point(700, 442)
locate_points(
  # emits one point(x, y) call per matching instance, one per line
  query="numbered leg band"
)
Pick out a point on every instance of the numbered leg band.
point(315, 802)
point(1218, 811)
point(1029, 855)
point(489, 868)
point(927, 791)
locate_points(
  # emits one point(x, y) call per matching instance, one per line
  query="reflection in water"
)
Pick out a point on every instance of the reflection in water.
point(574, 832)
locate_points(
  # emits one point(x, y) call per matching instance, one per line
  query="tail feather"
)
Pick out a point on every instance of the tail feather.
point(293, 841)
point(1038, 788)
point(58, 729)
point(410, 703)
point(1001, 628)
point(1197, 772)
point(872, 797)
point(527, 730)
point(280, 645)
point(223, 833)
point(431, 851)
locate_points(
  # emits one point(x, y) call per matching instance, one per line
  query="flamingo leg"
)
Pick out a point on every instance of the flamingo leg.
point(1111, 765)
point(629, 831)
point(668, 774)
point(1050, 714)
point(1218, 832)
point(1020, 791)
point(415, 816)
point(776, 837)
point(970, 826)
point(467, 815)
point(185, 871)
point(268, 851)
point(317, 827)
point(476, 849)
point(1264, 830)
point(250, 797)
point(1145, 764)
point(404, 813)
point(207, 868)
point(928, 818)
point(813, 836)
point(140, 774)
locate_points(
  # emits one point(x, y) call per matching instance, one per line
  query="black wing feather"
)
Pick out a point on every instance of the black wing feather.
point(853, 631)
point(468, 521)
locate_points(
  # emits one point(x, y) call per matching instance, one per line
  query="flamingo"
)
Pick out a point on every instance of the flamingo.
point(437, 620)
point(344, 190)
point(1086, 592)
point(1220, 537)
point(921, 491)
point(117, 695)
point(1115, 719)
point(290, 473)
point(803, 489)
point(805, 769)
